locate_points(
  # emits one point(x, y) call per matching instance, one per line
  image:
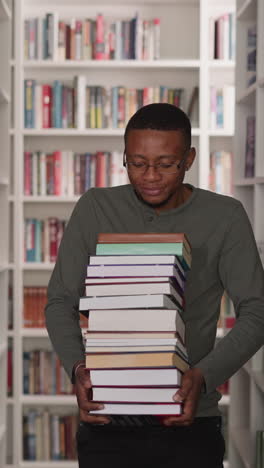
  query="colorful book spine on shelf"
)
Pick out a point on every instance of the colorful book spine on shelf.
point(251, 59)
point(42, 239)
point(65, 173)
point(222, 108)
point(39, 377)
point(222, 37)
point(81, 106)
point(221, 172)
point(51, 38)
point(47, 435)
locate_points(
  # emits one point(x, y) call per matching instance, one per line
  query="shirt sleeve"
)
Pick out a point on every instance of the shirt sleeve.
point(65, 287)
point(241, 274)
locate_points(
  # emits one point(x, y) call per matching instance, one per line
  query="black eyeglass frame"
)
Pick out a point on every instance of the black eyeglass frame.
point(125, 163)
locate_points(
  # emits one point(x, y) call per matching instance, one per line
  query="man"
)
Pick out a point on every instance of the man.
point(224, 257)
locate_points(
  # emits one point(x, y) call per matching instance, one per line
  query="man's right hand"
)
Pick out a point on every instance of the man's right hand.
point(83, 390)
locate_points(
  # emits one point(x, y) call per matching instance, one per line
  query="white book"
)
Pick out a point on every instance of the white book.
point(135, 377)
point(144, 279)
point(229, 107)
point(34, 173)
point(134, 395)
point(137, 320)
point(80, 88)
point(131, 289)
point(135, 260)
point(135, 270)
point(115, 163)
point(137, 408)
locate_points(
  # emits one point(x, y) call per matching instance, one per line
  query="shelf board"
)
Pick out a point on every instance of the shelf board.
point(10, 333)
point(74, 64)
point(249, 181)
point(34, 332)
point(50, 198)
point(247, 11)
point(225, 400)
point(4, 97)
point(247, 93)
point(241, 439)
point(49, 400)
point(221, 132)
point(48, 464)
point(11, 198)
point(3, 268)
point(112, 132)
point(4, 181)
point(5, 13)
point(258, 377)
point(10, 400)
point(219, 332)
point(222, 64)
point(38, 266)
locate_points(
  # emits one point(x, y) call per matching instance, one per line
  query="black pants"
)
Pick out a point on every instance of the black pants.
point(200, 445)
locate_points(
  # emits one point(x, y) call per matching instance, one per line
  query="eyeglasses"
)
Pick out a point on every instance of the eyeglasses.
point(162, 168)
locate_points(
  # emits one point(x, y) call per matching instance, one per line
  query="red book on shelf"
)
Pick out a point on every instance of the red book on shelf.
point(46, 106)
point(53, 239)
point(99, 38)
point(57, 172)
point(100, 176)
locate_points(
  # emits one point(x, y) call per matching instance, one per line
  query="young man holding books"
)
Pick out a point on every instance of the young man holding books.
point(224, 257)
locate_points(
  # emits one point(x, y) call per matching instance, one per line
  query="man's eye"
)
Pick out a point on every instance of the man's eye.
point(138, 164)
point(165, 166)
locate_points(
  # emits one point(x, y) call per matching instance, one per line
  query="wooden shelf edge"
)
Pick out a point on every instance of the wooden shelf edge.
point(48, 464)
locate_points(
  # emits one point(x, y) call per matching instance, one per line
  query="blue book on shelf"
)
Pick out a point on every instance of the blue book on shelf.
point(29, 103)
point(30, 240)
point(57, 104)
point(38, 239)
point(31, 435)
point(219, 109)
point(26, 360)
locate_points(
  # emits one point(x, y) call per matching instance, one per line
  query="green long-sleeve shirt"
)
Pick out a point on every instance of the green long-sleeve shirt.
point(224, 257)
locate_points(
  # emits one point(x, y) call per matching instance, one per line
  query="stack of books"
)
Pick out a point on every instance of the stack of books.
point(135, 342)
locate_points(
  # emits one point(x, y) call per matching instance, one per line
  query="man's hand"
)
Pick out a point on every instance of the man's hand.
point(189, 393)
point(83, 390)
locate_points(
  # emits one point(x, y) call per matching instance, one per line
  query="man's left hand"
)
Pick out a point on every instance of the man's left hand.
point(189, 393)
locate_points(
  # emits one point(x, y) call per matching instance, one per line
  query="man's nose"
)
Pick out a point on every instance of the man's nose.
point(151, 173)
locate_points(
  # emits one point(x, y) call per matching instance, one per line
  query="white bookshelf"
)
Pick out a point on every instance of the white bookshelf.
point(182, 63)
point(5, 16)
point(247, 385)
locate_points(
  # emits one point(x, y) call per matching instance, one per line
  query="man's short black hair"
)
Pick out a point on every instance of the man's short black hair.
point(160, 116)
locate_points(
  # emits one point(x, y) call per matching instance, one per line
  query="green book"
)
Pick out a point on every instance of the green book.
point(146, 249)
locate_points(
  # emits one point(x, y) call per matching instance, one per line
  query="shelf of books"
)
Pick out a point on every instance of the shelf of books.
point(246, 422)
point(4, 209)
point(78, 72)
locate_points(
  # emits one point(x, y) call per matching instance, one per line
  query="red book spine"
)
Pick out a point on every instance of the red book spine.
point(100, 169)
point(53, 239)
point(27, 173)
point(57, 172)
point(99, 38)
point(46, 106)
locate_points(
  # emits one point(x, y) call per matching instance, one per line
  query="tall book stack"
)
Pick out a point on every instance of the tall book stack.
point(135, 342)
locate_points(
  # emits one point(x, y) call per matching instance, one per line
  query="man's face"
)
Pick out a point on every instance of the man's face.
point(156, 188)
